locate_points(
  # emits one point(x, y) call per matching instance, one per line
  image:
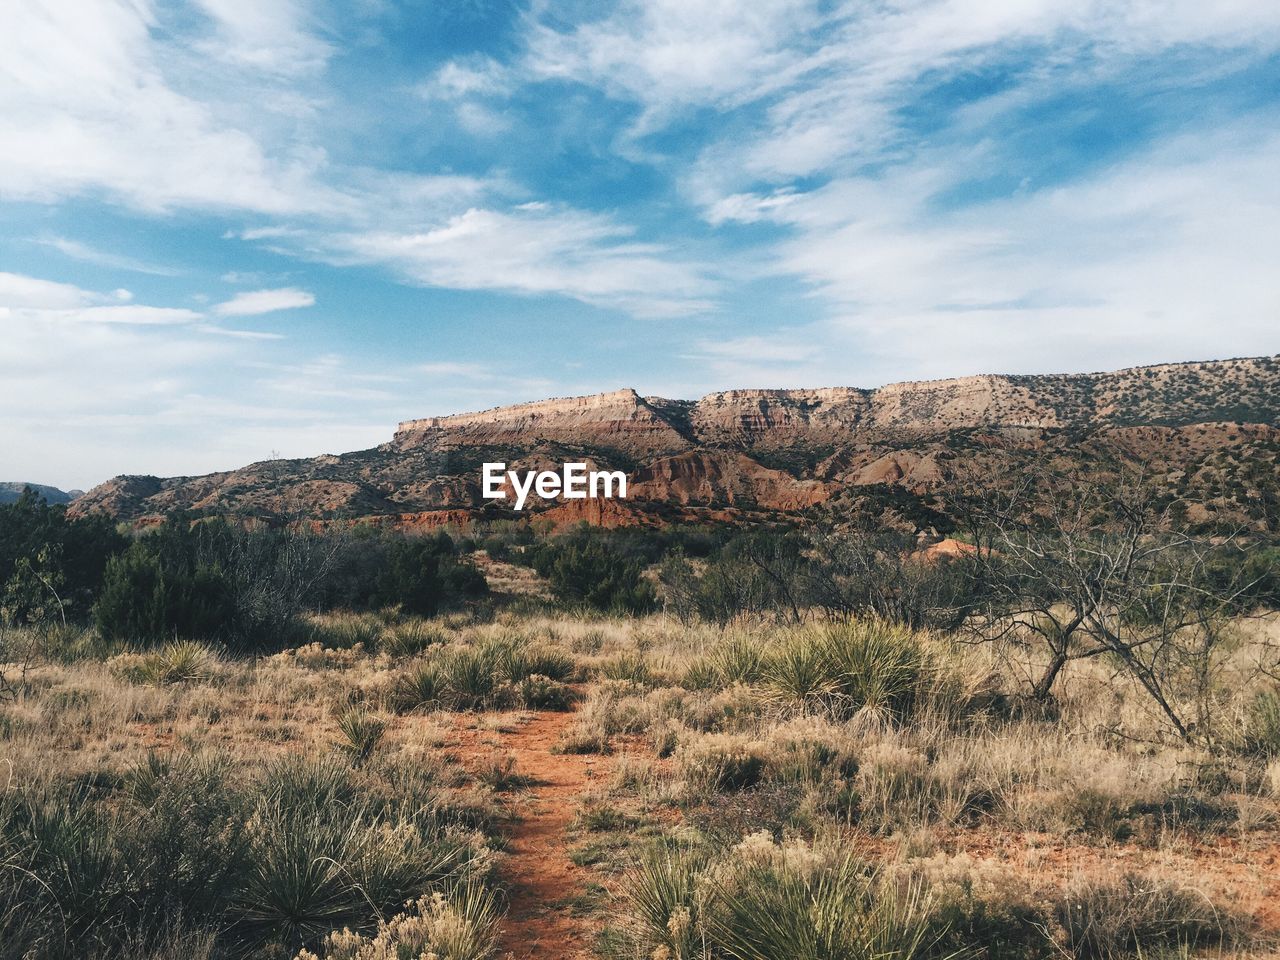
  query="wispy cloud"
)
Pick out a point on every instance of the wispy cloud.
point(255, 302)
point(89, 110)
point(269, 35)
point(539, 249)
point(102, 258)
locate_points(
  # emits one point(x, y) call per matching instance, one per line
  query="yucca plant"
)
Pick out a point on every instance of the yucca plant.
point(549, 662)
point(346, 631)
point(422, 684)
point(1262, 724)
point(799, 672)
point(361, 733)
point(630, 665)
point(835, 912)
point(412, 638)
point(662, 889)
point(701, 674)
point(874, 664)
point(317, 867)
point(459, 926)
point(183, 661)
point(739, 660)
point(302, 884)
point(469, 676)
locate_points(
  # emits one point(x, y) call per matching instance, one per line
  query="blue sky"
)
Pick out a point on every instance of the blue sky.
point(233, 229)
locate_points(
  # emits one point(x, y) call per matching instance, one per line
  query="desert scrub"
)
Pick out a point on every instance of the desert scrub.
point(460, 926)
point(862, 666)
point(346, 631)
point(360, 733)
point(764, 901)
point(412, 638)
point(721, 762)
point(978, 910)
point(495, 672)
point(665, 892)
point(182, 844)
point(1262, 724)
point(1139, 914)
point(630, 665)
point(182, 661)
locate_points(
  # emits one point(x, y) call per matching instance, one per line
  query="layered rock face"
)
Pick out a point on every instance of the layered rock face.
point(741, 454)
point(621, 419)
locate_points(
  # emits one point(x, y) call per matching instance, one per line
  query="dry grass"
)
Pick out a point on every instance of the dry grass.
point(1082, 828)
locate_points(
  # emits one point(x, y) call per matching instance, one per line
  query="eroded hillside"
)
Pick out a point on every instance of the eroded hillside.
point(1211, 429)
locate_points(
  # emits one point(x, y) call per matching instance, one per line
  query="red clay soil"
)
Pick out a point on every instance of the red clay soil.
point(540, 877)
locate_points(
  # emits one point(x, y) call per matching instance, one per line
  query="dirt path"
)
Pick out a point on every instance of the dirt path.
point(541, 879)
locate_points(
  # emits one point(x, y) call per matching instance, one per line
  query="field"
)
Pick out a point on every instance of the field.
point(513, 780)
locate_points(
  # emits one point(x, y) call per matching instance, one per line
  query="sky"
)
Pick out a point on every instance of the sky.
point(232, 230)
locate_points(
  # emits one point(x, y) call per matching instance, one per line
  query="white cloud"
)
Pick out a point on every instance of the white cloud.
point(1164, 257)
point(264, 233)
point(476, 76)
point(17, 290)
point(268, 35)
point(672, 54)
point(102, 258)
point(254, 302)
point(131, 315)
point(536, 249)
point(88, 110)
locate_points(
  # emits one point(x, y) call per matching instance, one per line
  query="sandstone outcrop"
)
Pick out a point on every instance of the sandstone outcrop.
point(748, 454)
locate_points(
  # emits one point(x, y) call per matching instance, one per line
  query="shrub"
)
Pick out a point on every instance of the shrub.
point(412, 638)
point(420, 685)
point(765, 902)
point(831, 911)
point(1108, 919)
point(459, 926)
point(662, 891)
point(347, 631)
point(874, 663)
point(1262, 724)
point(722, 761)
point(421, 573)
point(542, 693)
point(630, 666)
point(740, 660)
point(799, 672)
point(585, 570)
point(361, 733)
point(318, 863)
point(145, 599)
point(470, 676)
point(183, 661)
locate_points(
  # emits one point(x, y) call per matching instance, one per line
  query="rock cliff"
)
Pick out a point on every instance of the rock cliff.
point(743, 454)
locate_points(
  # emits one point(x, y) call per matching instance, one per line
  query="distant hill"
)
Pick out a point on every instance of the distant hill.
point(1211, 430)
point(12, 490)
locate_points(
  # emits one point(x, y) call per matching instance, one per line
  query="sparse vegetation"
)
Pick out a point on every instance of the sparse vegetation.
point(856, 760)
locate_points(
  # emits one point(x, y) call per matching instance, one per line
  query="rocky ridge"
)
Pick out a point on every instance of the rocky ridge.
point(744, 454)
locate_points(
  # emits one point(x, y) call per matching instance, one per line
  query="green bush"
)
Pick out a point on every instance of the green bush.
point(421, 685)
point(585, 570)
point(145, 599)
point(662, 892)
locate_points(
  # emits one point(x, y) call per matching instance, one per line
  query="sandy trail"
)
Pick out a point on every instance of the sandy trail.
point(541, 879)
